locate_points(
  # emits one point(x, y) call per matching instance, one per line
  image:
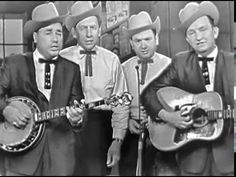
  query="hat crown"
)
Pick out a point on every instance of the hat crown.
point(188, 10)
point(194, 10)
point(81, 7)
point(140, 20)
point(45, 12)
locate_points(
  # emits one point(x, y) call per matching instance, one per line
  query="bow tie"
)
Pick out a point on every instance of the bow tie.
point(47, 73)
point(145, 61)
point(205, 71)
point(144, 65)
point(205, 59)
point(41, 60)
point(88, 62)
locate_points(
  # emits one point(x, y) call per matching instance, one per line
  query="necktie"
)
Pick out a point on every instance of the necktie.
point(88, 62)
point(205, 71)
point(47, 74)
point(144, 65)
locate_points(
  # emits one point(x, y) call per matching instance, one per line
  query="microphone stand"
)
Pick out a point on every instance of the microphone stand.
point(141, 135)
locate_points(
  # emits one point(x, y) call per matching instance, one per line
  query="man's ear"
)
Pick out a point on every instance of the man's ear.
point(99, 31)
point(73, 32)
point(35, 37)
point(187, 40)
point(215, 32)
point(131, 43)
point(157, 39)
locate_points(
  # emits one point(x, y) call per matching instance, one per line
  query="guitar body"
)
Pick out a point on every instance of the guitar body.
point(165, 137)
point(13, 139)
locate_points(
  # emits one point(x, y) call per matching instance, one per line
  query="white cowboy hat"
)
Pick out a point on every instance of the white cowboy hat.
point(193, 10)
point(42, 15)
point(141, 22)
point(81, 10)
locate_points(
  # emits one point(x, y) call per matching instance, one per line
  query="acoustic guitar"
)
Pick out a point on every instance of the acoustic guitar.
point(13, 139)
point(208, 118)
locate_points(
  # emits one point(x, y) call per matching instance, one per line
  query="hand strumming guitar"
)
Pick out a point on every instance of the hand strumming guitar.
point(179, 119)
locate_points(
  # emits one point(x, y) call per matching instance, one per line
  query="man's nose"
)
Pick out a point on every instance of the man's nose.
point(143, 44)
point(198, 35)
point(89, 32)
point(55, 37)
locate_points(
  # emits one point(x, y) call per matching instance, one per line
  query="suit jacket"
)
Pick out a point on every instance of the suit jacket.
point(17, 78)
point(185, 73)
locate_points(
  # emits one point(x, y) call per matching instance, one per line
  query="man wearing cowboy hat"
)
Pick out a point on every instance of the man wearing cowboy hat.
point(143, 34)
point(51, 82)
point(191, 72)
point(102, 77)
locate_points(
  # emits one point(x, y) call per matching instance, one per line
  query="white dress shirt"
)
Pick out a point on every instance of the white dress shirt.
point(39, 74)
point(108, 79)
point(155, 69)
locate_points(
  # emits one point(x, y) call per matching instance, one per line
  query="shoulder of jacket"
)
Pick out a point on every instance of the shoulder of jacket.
point(129, 61)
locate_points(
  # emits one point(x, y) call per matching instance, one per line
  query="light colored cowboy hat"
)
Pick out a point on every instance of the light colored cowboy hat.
point(81, 10)
point(42, 15)
point(141, 22)
point(193, 10)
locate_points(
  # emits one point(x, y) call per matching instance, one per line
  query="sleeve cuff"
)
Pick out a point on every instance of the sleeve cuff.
point(119, 133)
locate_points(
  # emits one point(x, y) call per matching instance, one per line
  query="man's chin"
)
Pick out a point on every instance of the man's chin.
point(89, 46)
point(54, 53)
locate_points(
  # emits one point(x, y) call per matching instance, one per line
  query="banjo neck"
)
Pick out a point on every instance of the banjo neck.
point(51, 114)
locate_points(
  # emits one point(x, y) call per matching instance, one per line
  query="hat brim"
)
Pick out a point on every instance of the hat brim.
point(71, 20)
point(31, 26)
point(155, 26)
point(206, 10)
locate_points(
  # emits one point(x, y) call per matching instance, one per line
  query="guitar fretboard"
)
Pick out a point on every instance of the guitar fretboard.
point(47, 115)
point(220, 114)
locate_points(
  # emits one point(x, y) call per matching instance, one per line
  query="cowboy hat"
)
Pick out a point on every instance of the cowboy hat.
point(192, 11)
point(141, 22)
point(81, 10)
point(42, 15)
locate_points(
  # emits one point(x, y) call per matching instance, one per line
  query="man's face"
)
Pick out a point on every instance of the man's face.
point(144, 44)
point(87, 32)
point(49, 40)
point(201, 36)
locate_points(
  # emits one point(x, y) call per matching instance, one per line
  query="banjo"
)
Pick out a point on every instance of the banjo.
point(13, 139)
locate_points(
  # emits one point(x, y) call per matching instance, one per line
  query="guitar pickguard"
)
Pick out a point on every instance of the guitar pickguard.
point(205, 132)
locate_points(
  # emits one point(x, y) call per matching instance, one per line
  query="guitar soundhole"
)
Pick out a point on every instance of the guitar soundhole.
point(198, 115)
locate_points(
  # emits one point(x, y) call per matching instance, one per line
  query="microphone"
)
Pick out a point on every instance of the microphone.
point(137, 69)
point(141, 135)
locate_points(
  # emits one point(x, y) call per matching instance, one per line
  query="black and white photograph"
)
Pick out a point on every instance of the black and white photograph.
point(117, 88)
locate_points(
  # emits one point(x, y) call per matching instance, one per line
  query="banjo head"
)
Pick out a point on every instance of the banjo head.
point(13, 139)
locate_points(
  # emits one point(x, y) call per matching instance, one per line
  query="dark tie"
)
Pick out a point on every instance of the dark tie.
point(205, 71)
point(88, 62)
point(144, 64)
point(47, 74)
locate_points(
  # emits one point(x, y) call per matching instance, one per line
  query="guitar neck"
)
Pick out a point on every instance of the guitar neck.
point(220, 114)
point(51, 114)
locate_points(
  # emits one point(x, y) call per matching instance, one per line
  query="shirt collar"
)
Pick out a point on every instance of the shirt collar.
point(154, 56)
point(37, 55)
point(213, 54)
point(81, 48)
